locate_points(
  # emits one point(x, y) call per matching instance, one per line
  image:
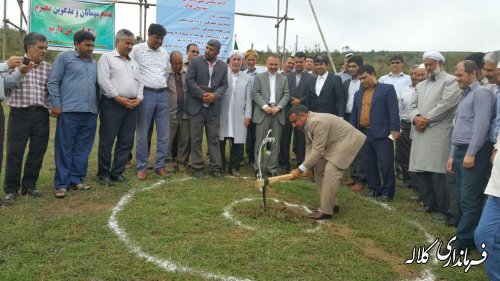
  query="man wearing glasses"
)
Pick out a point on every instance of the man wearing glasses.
point(192, 51)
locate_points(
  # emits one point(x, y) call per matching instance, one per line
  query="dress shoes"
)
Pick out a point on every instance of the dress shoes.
point(234, 173)
point(119, 179)
point(80, 186)
point(384, 198)
point(320, 216)
point(142, 174)
point(424, 210)
point(106, 181)
point(31, 192)
point(162, 172)
point(336, 209)
point(198, 174)
point(217, 175)
point(9, 199)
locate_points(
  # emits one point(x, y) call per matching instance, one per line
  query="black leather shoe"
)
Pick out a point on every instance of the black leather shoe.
point(217, 175)
point(119, 179)
point(106, 181)
point(424, 210)
point(32, 192)
point(198, 174)
point(320, 216)
point(234, 173)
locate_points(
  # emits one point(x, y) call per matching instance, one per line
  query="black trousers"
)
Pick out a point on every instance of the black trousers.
point(286, 139)
point(117, 128)
point(403, 146)
point(433, 190)
point(235, 154)
point(250, 142)
point(25, 124)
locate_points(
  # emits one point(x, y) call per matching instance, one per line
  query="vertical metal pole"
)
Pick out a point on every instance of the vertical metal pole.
point(278, 31)
point(286, 23)
point(21, 20)
point(323, 37)
point(4, 46)
point(145, 15)
point(296, 43)
point(140, 20)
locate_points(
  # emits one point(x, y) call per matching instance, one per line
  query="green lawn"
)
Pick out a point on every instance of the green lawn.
point(180, 223)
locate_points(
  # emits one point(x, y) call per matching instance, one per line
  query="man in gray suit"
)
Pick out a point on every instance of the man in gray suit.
point(432, 111)
point(206, 80)
point(270, 94)
point(298, 84)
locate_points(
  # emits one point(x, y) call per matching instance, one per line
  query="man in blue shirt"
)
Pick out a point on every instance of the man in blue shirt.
point(470, 150)
point(73, 93)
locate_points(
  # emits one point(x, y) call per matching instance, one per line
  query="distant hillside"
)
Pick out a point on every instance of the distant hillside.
point(379, 59)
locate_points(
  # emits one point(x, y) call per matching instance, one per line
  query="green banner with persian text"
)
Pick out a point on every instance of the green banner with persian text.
point(59, 20)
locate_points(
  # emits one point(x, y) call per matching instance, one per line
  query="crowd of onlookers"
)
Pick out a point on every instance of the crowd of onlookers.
point(433, 130)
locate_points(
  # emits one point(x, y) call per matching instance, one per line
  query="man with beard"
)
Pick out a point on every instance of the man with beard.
point(432, 111)
point(206, 81)
point(236, 114)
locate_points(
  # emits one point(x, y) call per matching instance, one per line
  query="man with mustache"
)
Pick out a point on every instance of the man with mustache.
point(432, 111)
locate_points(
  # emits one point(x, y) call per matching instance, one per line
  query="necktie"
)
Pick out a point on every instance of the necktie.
point(179, 88)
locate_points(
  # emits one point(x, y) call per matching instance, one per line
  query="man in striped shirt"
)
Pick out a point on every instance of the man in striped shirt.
point(28, 121)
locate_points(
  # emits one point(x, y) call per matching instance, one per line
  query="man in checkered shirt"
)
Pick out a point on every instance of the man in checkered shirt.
point(28, 121)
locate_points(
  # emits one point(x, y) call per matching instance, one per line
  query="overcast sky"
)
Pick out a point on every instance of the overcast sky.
point(364, 25)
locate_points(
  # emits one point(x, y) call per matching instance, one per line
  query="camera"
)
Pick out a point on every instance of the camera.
point(26, 61)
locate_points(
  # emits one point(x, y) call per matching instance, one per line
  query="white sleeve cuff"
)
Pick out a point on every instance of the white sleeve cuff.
point(265, 106)
point(302, 168)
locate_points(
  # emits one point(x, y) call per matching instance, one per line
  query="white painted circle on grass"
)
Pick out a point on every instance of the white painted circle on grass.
point(229, 209)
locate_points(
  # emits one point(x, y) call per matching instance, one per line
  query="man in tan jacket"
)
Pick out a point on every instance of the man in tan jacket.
point(331, 145)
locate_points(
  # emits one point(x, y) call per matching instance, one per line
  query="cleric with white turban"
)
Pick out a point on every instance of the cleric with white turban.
point(437, 56)
point(237, 53)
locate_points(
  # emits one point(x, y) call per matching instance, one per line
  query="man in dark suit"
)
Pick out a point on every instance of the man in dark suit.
point(351, 86)
point(325, 94)
point(206, 80)
point(271, 95)
point(298, 84)
point(375, 113)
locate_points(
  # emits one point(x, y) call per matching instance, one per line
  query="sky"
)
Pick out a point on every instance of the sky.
point(363, 25)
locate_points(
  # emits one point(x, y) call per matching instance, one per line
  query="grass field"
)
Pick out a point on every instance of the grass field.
point(175, 230)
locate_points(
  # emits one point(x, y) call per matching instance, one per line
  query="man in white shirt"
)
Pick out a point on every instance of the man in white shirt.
point(122, 89)
point(153, 62)
point(396, 77)
point(351, 86)
point(271, 95)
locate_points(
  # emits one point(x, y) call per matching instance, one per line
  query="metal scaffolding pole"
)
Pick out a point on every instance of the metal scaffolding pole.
point(278, 30)
point(286, 24)
point(323, 37)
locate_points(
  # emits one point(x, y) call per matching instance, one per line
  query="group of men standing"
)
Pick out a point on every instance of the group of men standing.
point(441, 123)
